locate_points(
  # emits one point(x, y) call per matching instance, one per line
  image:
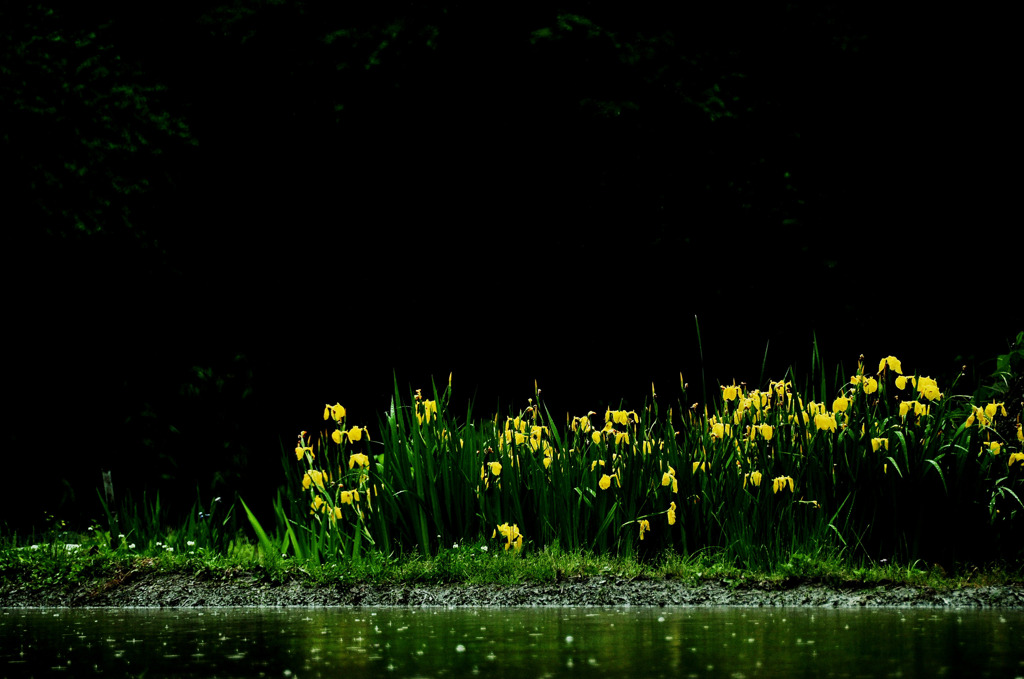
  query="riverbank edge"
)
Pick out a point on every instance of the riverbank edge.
point(176, 589)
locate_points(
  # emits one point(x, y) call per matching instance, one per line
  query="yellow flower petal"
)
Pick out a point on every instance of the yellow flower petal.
point(928, 388)
point(780, 483)
point(825, 421)
point(892, 362)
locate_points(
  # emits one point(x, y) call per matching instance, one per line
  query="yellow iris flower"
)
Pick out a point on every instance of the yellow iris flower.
point(581, 424)
point(429, 412)
point(992, 408)
point(918, 408)
point(779, 483)
point(317, 477)
point(513, 538)
point(825, 421)
point(928, 388)
point(669, 479)
point(892, 362)
point(619, 416)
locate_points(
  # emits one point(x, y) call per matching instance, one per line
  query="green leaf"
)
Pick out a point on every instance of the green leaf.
point(265, 543)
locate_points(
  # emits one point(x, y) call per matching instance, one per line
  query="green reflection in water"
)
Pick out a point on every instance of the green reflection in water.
point(523, 643)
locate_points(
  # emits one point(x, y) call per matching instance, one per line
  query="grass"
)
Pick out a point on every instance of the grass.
point(54, 568)
point(882, 475)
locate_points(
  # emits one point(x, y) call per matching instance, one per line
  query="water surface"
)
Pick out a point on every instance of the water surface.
point(524, 643)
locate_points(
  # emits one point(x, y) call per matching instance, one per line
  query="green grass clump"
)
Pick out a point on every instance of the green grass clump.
point(887, 467)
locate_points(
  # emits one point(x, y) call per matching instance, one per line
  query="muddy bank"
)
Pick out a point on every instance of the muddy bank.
point(161, 589)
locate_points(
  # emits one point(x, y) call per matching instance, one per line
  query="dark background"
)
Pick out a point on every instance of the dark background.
point(221, 215)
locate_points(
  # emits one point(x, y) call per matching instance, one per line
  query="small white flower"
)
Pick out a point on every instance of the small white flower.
point(169, 548)
point(191, 543)
point(484, 548)
point(131, 546)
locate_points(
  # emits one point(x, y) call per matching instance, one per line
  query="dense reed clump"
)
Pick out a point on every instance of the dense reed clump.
point(890, 466)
